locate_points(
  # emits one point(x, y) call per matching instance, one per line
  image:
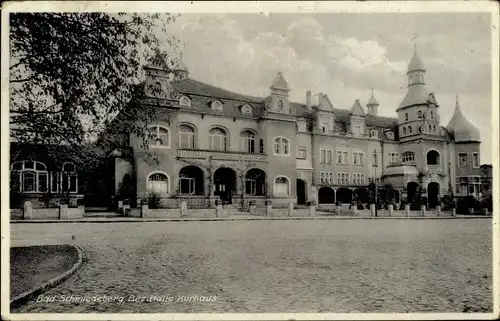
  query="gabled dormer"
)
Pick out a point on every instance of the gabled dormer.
point(357, 119)
point(325, 117)
point(159, 74)
point(278, 100)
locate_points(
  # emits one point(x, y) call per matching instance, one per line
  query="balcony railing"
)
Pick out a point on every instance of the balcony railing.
point(221, 155)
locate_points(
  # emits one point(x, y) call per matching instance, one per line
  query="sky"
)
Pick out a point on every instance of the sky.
point(345, 55)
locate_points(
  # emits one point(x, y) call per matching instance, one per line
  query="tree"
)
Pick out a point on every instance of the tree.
point(71, 73)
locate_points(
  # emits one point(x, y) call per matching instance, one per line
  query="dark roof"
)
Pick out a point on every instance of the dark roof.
point(194, 87)
point(202, 95)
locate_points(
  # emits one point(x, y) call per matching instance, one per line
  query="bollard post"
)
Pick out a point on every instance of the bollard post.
point(144, 209)
point(438, 210)
point(63, 211)
point(422, 208)
point(183, 207)
point(312, 209)
point(27, 211)
point(252, 209)
point(471, 211)
point(219, 211)
point(354, 207)
point(372, 210)
point(486, 212)
point(407, 210)
point(290, 208)
point(120, 207)
point(391, 209)
point(453, 212)
point(269, 208)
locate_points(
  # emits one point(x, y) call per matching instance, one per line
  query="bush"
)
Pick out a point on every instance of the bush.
point(464, 203)
point(16, 200)
point(154, 201)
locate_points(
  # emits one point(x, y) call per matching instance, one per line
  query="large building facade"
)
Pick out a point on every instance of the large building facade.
point(209, 143)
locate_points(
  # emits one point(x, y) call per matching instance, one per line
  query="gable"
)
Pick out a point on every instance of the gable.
point(325, 104)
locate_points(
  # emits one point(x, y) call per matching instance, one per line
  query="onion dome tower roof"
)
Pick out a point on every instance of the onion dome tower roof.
point(462, 129)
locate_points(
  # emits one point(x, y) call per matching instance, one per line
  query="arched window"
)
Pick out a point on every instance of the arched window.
point(159, 136)
point(433, 157)
point(406, 116)
point(281, 146)
point(184, 101)
point(158, 184)
point(408, 157)
point(186, 137)
point(247, 141)
point(217, 139)
point(409, 129)
point(69, 178)
point(29, 177)
point(432, 115)
point(280, 104)
point(419, 114)
point(404, 130)
point(281, 185)
point(430, 128)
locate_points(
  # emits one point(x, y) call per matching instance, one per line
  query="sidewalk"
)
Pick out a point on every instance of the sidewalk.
point(240, 217)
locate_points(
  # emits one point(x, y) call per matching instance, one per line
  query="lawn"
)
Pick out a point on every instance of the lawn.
point(279, 266)
point(34, 265)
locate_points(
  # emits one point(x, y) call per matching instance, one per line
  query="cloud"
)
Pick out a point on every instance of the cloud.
point(313, 56)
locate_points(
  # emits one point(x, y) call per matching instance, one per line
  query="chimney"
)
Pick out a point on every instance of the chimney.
point(308, 100)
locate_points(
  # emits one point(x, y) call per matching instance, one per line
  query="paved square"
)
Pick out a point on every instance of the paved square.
point(274, 266)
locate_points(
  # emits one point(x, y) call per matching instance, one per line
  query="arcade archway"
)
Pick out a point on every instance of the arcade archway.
point(326, 195)
point(225, 184)
point(433, 193)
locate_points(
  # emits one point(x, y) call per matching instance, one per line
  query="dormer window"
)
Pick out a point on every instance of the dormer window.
point(246, 110)
point(280, 104)
point(374, 133)
point(302, 126)
point(324, 126)
point(216, 105)
point(184, 101)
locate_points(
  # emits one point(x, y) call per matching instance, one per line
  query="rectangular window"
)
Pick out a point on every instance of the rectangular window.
point(357, 158)
point(248, 144)
point(356, 129)
point(324, 127)
point(54, 182)
point(186, 185)
point(322, 177)
point(302, 126)
point(29, 182)
point(217, 142)
point(250, 187)
point(374, 133)
point(326, 155)
point(462, 159)
point(301, 152)
point(393, 158)
point(186, 140)
point(158, 187)
point(342, 157)
point(475, 160)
